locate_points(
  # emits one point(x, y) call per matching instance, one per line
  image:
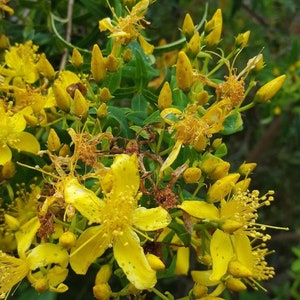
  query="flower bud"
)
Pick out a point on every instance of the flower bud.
point(200, 142)
point(8, 170)
point(220, 170)
point(184, 72)
point(216, 143)
point(236, 269)
point(63, 99)
point(81, 106)
point(53, 141)
point(64, 150)
point(267, 91)
point(44, 67)
point(165, 97)
point(104, 94)
point(214, 27)
point(76, 59)
point(127, 55)
point(222, 187)
point(246, 168)
point(192, 175)
point(102, 111)
point(67, 240)
point(188, 26)
point(102, 291)
point(103, 274)
point(235, 284)
point(194, 44)
point(242, 39)
point(98, 66)
point(202, 97)
point(199, 290)
point(154, 262)
point(112, 63)
point(4, 42)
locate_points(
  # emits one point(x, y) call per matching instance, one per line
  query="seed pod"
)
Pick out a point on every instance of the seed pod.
point(267, 91)
point(165, 97)
point(184, 72)
point(98, 67)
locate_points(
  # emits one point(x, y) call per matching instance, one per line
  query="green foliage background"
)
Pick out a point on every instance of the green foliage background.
point(272, 131)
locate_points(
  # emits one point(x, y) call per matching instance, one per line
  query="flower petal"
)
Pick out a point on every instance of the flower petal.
point(24, 141)
point(200, 209)
point(26, 234)
point(151, 219)
point(131, 258)
point(46, 254)
point(83, 199)
point(221, 253)
point(5, 154)
point(90, 245)
point(203, 277)
point(125, 175)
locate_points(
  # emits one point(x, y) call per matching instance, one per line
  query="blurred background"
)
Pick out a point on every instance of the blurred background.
point(271, 135)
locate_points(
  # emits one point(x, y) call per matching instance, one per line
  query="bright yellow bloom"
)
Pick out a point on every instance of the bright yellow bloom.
point(12, 135)
point(128, 28)
point(192, 128)
point(20, 64)
point(119, 216)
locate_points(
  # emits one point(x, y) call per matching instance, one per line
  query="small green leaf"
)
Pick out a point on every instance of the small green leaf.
point(153, 118)
point(182, 233)
point(139, 103)
point(233, 123)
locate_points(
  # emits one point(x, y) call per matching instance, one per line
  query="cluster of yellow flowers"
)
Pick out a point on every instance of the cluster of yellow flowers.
point(124, 164)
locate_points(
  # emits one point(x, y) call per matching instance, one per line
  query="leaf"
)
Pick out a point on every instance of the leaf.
point(112, 80)
point(139, 103)
point(232, 124)
point(118, 115)
point(153, 118)
point(182, 233)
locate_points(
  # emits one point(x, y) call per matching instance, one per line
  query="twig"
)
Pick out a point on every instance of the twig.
point(68, 34)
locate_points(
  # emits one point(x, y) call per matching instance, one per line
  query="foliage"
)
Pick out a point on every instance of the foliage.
point(130, 181)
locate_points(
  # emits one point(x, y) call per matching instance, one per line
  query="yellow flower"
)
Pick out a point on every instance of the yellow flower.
point(119, 217)
point(128, 28)
point(20, 64)
point(12, 135)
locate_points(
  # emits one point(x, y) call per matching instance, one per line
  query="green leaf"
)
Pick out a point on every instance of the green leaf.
point(221, 151)
point(139, 103)
point(232, 124)
point(136, 117)
point(153, 118)
point(140, 131)
point(118, 115)
point(112, 80)
point(180, 230)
